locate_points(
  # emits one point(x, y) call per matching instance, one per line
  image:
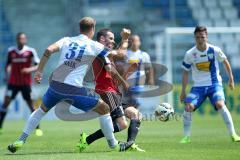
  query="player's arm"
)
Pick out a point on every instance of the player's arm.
point(184, 85)
point(149, 71)
point(132, 68)
point(46, 55)
point(34, 67)
point(122, 49)
point(221, 57)
point(150, 75)
point(116, 75)
point(186, 65)
point(7, 67)
point(228, 69)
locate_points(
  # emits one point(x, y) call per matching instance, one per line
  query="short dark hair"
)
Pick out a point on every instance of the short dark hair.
point(200, 29)
point(86, 24)
point(102, 32)
point(19, 34)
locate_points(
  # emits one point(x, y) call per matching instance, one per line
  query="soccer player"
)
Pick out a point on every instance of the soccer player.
point(143, 74)
point(107, 83)
point(203, 60)
point(66, 83)
point(19, 68)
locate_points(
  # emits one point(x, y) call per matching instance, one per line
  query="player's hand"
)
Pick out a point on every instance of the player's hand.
point(38, 76)
point(126, 86)
point(182, 96)
point(26, 71)
point(231, 85)
point(125, 33)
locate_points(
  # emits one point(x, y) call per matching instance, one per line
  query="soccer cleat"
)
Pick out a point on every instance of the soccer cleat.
point(185, 139)
point(39, 132)
point(235, 138)
point(15, 146)
point(82, 145)
point(123, 146)
point(135, 147)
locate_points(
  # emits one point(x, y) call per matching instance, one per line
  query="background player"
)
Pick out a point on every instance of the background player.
point(142, 75)
point(203, 60)
point(18, 74)
point(68, 85)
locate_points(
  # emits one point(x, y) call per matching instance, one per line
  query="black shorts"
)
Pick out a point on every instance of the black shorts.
point(12, 91)
point(130, 100)
point(114, 102)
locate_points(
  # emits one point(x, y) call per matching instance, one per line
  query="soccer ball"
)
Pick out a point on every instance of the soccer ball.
point(164, 112)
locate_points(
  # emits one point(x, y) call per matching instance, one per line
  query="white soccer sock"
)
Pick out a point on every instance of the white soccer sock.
point(34, 120)
point(227, 119)
point(107, 129)
point(187, 120)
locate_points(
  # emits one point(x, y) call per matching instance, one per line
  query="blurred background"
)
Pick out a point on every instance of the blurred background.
point(46, 21)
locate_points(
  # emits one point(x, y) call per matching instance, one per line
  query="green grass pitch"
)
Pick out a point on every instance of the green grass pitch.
point(210, 141)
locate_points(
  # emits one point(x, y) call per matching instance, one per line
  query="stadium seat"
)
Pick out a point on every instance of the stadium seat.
point(204, 22)
point(199, 14)
point(195, 4)
point(230, 13)
point(225, 3)
point(215, 13)
point(210, 3)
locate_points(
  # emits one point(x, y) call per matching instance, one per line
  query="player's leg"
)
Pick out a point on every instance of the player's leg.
point(119, 124)
point(10, 94)
point(107, 127)
point(50, 99)
point(193, 100)
point(26, 93)
point(114, 101)
point(217, 98)
point(95, 103)
point(135, 120)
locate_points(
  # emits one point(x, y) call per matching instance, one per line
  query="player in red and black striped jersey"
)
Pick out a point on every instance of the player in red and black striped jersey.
point(107, 81)
point(19, 67)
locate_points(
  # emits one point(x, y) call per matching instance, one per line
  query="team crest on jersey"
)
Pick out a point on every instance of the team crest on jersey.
point(210, 55)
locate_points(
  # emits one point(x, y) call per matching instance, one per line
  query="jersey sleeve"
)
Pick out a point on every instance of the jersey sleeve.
point(186, 64)
point(60, 42)
point(36, 59)
point(220, 55)
point(102, 52)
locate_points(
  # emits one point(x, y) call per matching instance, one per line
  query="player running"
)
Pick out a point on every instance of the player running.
point(67, 83)
point(18, 75)
point(203, 60)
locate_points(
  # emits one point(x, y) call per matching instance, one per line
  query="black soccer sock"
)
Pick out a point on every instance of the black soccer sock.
point(133, 129)
point(3, 113)
point(99, 134)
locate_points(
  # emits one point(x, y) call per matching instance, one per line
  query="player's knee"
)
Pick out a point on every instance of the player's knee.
point(219, 104)
point(132, 113)
point(44, 108)
point(123, 125)
point(189, 107)
point(102, 108)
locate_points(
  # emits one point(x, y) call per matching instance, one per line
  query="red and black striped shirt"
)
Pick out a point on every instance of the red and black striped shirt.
point(19, 59)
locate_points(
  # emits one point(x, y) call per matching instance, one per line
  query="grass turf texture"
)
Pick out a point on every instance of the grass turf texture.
point(209, 141)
